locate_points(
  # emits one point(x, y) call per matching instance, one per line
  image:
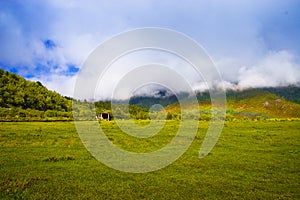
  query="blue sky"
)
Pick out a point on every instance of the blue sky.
point(253, 43)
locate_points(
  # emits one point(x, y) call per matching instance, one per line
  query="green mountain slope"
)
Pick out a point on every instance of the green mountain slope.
point(257, 102)
point(251, 103)
point(291, 93)
point(20, 99)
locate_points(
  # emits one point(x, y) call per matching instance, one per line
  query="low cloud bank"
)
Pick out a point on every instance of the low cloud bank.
point(276, 69)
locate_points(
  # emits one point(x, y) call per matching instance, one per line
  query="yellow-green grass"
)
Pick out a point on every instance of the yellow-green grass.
point(252, 160)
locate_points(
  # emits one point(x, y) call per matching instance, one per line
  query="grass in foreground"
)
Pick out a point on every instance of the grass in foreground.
point(252, 160)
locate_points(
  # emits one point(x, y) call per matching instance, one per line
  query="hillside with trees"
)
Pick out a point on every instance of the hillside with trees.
point(22, 100)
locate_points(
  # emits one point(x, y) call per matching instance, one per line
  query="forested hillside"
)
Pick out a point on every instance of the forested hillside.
point(15, 91)
point(21, 99)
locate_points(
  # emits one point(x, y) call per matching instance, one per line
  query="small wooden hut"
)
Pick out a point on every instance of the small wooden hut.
point(104, 116)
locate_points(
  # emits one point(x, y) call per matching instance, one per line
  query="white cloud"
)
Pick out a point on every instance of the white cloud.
point(59, 83)
point(137, 67)
point(238, 35)
point(276, 69)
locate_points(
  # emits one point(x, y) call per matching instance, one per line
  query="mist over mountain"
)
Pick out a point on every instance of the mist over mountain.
point(161, 97)
point(282, 102)
point(290, 93)
point(22, 99)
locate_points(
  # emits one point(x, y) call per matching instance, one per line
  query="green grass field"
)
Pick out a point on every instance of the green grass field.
point(252, 160)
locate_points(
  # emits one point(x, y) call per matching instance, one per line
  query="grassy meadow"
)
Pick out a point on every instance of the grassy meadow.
point(252, 160)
